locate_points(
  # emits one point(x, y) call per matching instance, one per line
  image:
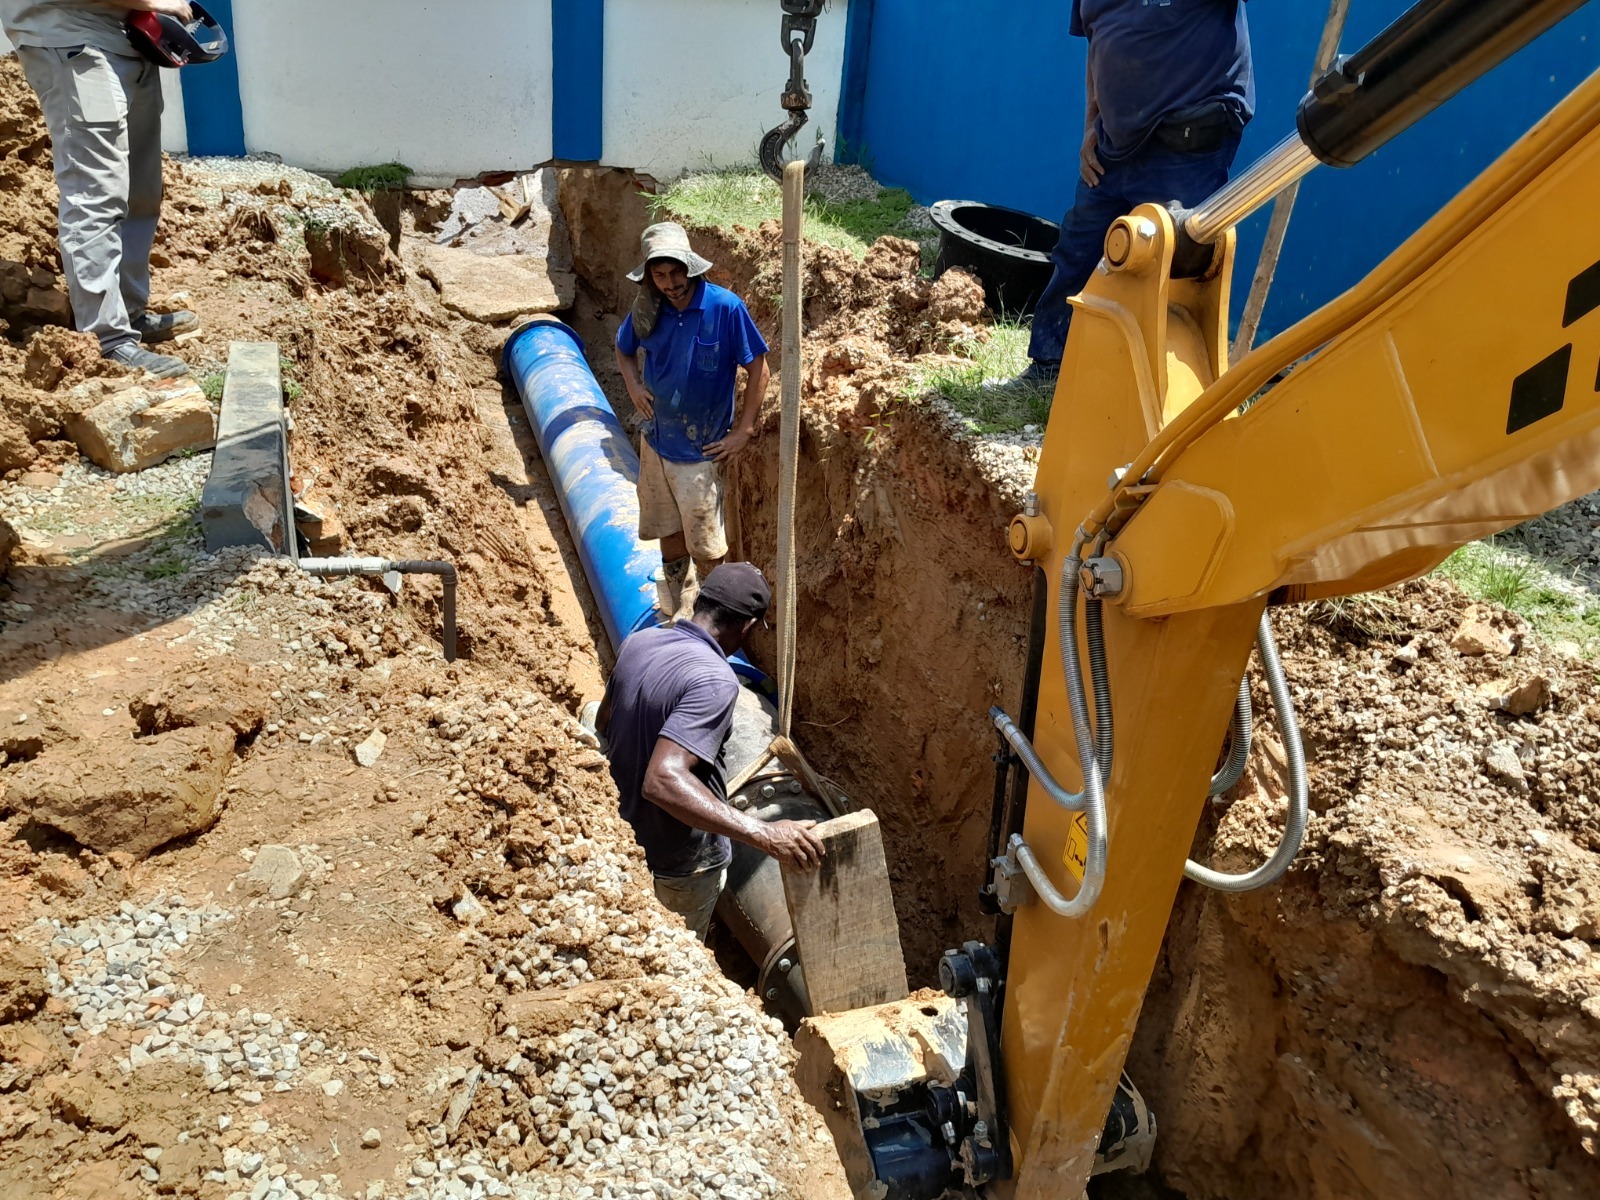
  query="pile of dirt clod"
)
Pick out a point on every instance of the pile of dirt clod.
point(29, 260)
point(1415, 1010)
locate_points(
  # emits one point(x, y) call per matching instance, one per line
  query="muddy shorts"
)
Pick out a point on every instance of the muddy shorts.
point(692, 897)
point(681, 498)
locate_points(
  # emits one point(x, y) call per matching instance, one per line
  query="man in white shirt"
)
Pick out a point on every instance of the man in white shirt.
point(102, 104)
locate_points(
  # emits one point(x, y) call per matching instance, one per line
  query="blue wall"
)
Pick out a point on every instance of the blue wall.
point(981, 100)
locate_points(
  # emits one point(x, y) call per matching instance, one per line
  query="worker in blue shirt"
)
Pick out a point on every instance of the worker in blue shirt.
point(1170, 88)
point(679, 352)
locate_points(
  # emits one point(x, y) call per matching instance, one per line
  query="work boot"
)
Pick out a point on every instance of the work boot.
point(139, 359)
point(669, 588)
point(1038, 380)
point(163, 327)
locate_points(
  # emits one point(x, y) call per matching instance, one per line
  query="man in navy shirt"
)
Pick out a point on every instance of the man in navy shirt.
point(666, 716)
point(1170, 88)
point(694, 337)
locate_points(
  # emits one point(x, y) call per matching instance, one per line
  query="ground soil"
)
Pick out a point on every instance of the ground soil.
point(1412, 1012)
point(461, 921)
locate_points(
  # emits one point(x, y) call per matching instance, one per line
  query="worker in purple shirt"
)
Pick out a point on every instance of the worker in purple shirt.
point(1170, 88)
point(693, 337)
point(666, 717)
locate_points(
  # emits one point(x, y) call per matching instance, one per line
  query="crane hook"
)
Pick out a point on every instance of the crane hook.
point(799, 33)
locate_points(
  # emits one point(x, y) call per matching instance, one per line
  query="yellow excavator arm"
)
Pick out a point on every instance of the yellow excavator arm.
point(1453, 393)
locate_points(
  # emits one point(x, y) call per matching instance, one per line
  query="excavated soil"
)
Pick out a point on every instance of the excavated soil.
point(441, 973)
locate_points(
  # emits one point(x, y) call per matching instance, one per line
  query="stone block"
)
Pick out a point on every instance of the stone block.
point(139, 425)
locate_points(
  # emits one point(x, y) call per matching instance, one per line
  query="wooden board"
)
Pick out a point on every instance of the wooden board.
point(844, 924)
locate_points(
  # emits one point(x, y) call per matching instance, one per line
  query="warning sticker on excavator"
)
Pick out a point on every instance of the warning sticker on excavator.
point(1076, 855)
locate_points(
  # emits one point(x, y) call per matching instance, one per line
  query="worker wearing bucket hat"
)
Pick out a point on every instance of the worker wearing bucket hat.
point(679, 352)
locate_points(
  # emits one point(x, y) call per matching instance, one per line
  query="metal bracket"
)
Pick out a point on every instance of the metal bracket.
point(1009, 886)
point(973, 975)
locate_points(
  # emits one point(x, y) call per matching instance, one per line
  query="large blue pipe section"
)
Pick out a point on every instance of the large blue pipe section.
point(596, 473)
point(594, 468)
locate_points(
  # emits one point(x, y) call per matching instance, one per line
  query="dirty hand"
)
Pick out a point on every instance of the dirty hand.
point(643, 401)
point(728, 447)
point(1089, 161)
point(792, 842)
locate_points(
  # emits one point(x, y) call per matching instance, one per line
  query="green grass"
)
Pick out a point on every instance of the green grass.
point(1487, 571)
point(725, 198)
point(212, 383)
point(293, 389)
point(1002, 356)
point(164, 568)
point(384, 177)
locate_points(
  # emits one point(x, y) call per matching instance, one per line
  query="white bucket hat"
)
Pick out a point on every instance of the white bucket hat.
point(668, 240)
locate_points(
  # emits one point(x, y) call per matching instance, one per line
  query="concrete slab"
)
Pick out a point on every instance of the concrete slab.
point(494, 290)
point(246, 500)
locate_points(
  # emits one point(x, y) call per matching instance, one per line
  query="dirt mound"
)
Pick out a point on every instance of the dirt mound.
point(1420, 991)
point(23, 989)
point(224, 693)
point(27, 188)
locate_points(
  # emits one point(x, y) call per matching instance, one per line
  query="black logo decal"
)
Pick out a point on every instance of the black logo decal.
point(1539, 391)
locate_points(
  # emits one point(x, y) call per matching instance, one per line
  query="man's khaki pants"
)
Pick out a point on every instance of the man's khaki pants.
point(693, 897)
point(104, 115)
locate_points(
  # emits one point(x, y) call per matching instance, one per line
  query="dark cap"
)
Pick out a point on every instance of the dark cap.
point(739, 588)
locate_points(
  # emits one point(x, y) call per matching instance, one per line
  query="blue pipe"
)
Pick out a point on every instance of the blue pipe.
point(596, 474)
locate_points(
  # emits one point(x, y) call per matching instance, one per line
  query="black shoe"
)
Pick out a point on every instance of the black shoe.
point(139, 359)
point(1038, 378)
point(163, 327)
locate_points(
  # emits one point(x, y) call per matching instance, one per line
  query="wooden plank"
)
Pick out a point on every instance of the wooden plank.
point(845, 929)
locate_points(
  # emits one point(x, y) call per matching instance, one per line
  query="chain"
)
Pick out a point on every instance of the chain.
point(799, 35)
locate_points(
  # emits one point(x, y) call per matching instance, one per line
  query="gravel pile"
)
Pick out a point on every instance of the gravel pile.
point(215, 176)
point(838, 182)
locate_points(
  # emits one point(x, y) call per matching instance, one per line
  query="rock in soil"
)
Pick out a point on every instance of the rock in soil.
point(136, 800)
point(277, 871)
point(219, 691)
point(23, 989)
point(139, 425)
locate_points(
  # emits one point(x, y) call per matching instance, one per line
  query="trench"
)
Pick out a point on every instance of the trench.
point(1280, 1042)
point(913, 616)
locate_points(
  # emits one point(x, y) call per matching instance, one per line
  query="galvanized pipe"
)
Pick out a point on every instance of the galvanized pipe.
point(401, 566)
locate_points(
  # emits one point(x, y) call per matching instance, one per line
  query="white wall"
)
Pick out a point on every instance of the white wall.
point(691, 85)
point(448, 87)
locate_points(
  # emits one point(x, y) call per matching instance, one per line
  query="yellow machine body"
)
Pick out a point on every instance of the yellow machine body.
point(1450, 395)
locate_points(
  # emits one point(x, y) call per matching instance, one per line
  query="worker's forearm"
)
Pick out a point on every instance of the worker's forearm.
point(628, 367)
point(685, 797)
point(755, 389)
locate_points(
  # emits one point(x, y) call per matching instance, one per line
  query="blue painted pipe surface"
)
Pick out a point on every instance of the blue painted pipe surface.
point(596, 473)
point(595, 470)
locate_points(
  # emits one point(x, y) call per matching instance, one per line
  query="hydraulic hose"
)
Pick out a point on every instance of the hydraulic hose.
point(1092, 800)
point(1294, 826)
point(1239, 749)
point(1100, 680)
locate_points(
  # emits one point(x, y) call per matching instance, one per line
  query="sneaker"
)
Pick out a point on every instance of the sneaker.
point(1039, 377)
point(163, 327)
point(137, 358)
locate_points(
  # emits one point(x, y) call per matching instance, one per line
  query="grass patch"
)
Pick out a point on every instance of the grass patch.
point(1487, 571)
point(164, 568)
point(1003, 356)
point(384, 177)
point(725, 198)
point(293, 389)
point(212, 384)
